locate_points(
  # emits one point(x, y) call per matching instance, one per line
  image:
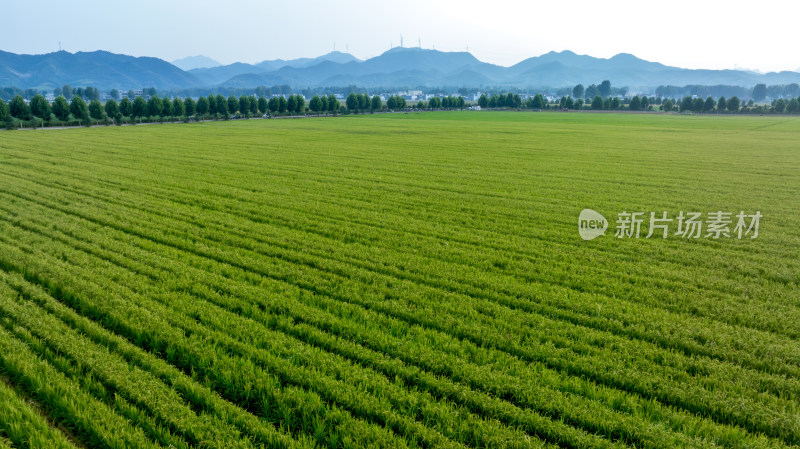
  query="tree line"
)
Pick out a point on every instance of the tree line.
point(642, 103)
point(39, 112)
point(758, 93)
point(77, 111)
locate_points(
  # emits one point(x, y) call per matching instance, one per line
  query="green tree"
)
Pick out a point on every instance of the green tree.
point(112, 108)
point(189, 107)
point(333, 104)
point(154, 106)
point(615, 103)
point(125, 107)
point(779, 106)
point(212, 104)
point(78, 109)
point(538, 102)
point(686, 104)
point(759, 92)
point(263, 105)
point(273, 104)
point(315, 104)
point(96, 110)
point(221, 105)
point(202, 106)
point(709, 105)
point(61, 108)
point(577, 91)
point(351, 102)
point(114, 95)
point(483, 102)
point(721, 104)
point(244, 105)
point(253, 105)
point(290, 103)
point(4, 115)
point(377, 104)
point(792, 107)
point(166, 107)
point(283, 104)
point(91, 93)
point(597, 102)
point(19, 109)
point(363, 102)
point(139, 107)
point(698, 104)
point(604, 88)
point(299, 104)
point(178, 108)
point(67, 91)
point(40, 107)
point(667, 105)
point(420, 105)
point(460, 102)
point(233, 105)
point(591, 92)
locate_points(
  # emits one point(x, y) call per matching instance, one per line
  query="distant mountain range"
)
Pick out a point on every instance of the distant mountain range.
point(400, 67)
point(99, 69)
point(195, 62)
point(218, 75)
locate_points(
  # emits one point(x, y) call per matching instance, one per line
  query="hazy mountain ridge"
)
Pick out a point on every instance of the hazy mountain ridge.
point(195, 62)
point(423, 67)
point(221, 74)
point(398, 67)
point(98, 68)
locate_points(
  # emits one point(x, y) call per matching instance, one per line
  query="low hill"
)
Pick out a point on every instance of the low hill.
point(100, 69)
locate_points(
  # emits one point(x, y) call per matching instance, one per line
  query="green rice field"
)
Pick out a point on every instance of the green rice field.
point(399, 280)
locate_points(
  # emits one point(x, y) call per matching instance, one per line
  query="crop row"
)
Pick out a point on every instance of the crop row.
point(740, 314)
point(214, 366)
point(764, 384)
point(222, 291)
point(761, 356)
point(24, 426)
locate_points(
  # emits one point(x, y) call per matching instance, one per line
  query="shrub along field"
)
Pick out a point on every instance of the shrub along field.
point(398, 281)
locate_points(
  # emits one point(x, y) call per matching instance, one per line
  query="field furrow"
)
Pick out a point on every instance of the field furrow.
point(398, 281)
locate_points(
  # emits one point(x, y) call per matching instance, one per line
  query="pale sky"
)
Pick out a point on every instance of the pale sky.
point(686, 33)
